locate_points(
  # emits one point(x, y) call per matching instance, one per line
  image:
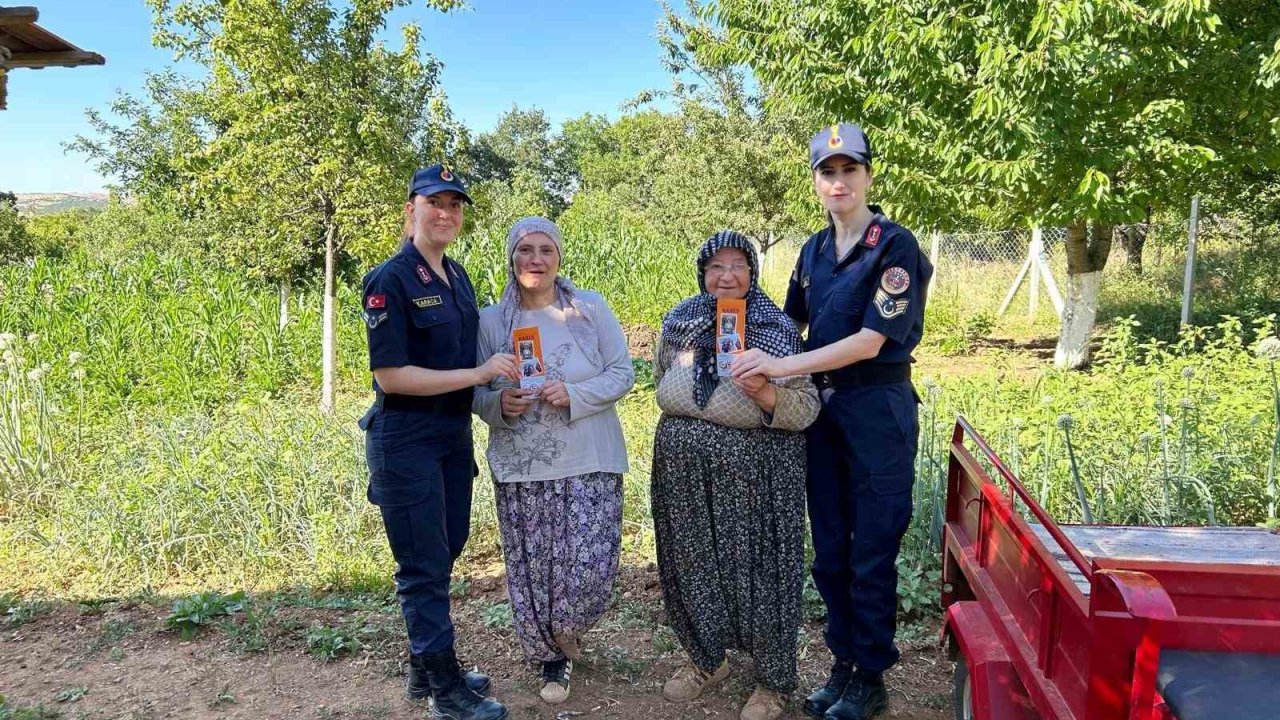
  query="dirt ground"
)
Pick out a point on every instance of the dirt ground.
point(117, 660)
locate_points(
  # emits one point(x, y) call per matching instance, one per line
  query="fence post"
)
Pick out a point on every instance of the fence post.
point(934, 243)
point(1188, 282)
point(1037, 246)
point(1046, 274)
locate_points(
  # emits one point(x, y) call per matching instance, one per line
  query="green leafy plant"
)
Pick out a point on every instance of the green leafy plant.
point(329, 643)
point(497, 616)
point(189, 615)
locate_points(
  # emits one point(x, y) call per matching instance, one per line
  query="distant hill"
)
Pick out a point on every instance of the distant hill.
point(42, 203)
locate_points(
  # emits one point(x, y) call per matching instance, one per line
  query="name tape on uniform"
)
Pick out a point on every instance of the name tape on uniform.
point(428, 301)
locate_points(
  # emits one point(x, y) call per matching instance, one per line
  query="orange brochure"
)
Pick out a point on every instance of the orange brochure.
point(527, 343)
point(731, 329)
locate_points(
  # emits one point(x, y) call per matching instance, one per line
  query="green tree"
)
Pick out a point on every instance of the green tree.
point(309, 128)
point(144, 142)
point(1066, 112)
point(522, 167)
point(15, 241)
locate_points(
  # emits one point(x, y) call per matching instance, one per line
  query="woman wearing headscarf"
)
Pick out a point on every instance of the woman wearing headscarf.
point(728, 486)
point(558, 458)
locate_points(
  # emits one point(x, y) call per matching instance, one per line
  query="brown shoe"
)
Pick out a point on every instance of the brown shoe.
point(764, 704)
point(690, 680)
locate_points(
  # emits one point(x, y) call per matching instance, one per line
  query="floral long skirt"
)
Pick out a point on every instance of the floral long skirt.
point(728, 515)
point(561, 540)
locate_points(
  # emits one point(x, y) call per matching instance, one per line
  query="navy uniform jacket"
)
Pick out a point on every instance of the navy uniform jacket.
point(880, 284)
point(413, 318)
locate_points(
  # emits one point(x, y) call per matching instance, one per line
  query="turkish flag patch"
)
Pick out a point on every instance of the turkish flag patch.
point(376, 302)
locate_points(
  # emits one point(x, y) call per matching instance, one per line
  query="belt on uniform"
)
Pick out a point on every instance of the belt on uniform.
point(860, 375)
point(423, 403)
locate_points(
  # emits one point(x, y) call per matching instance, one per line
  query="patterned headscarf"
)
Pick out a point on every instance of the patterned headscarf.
point(575, 312)
point(691, 324)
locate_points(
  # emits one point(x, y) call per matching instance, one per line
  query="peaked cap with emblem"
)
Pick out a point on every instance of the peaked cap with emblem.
point(840, 139)
point(437, 179)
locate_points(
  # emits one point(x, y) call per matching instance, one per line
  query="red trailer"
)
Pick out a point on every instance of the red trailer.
point(1090, 622)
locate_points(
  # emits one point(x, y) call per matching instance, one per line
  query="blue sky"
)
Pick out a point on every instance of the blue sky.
point(564, 56)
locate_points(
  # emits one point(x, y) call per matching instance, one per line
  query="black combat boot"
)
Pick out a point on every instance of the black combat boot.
point(417, 687)
point(821, 700)
point(451, 699)
point(864, 698)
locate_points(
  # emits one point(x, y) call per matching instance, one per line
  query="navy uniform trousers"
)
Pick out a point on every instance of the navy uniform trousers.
point(421, 470)
point(861, 452)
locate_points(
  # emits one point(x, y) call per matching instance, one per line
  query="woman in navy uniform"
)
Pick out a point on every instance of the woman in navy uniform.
point(859, 286)
point(421, 315)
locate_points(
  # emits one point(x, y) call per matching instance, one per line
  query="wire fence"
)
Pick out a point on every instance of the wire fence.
point(974, 271)
point(977, 270)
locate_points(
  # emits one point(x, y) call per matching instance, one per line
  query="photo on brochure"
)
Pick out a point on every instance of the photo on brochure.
point(533, 371)
point(730, 330)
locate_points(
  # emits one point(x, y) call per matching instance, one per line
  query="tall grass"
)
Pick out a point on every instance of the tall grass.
point(157, 430)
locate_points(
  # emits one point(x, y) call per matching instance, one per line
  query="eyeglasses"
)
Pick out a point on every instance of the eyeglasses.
point(718, 269)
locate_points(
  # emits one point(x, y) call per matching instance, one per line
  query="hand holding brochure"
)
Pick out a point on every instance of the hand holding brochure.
point(527, 342)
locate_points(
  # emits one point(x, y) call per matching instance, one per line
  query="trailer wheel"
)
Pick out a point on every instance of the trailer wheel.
point(962, 693)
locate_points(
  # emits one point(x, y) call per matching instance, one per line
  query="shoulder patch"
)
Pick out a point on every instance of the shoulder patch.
point(374, 319)
point(428, 301)
point(895, 280)
point(888, 307)
point(375, 302)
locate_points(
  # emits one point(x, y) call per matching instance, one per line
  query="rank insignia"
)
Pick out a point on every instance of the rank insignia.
point(428, 301)
point(374, 319)
point(424, 275)
point(873, 236)
point(376, 302)
point(888, 307)
point(895, 280)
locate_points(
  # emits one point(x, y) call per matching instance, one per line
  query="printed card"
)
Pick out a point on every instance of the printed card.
point(527, 342)
point(731, 328)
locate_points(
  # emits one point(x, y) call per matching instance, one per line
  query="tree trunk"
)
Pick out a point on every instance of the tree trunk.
point(1133, 238)
point(1087, 250)
point(328, 343)
point(284, 303)
point(1078, 317)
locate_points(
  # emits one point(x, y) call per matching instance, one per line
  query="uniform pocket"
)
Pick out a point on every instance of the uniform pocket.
point(903, 406)
point(425, 319)
point(443, 335)
point(846, 303)
point(891, 483)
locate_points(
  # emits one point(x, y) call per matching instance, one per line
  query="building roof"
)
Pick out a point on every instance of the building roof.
point(24, 44)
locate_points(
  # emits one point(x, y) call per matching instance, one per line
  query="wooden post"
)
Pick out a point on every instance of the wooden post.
point(935, 242)
point(1188, 281)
